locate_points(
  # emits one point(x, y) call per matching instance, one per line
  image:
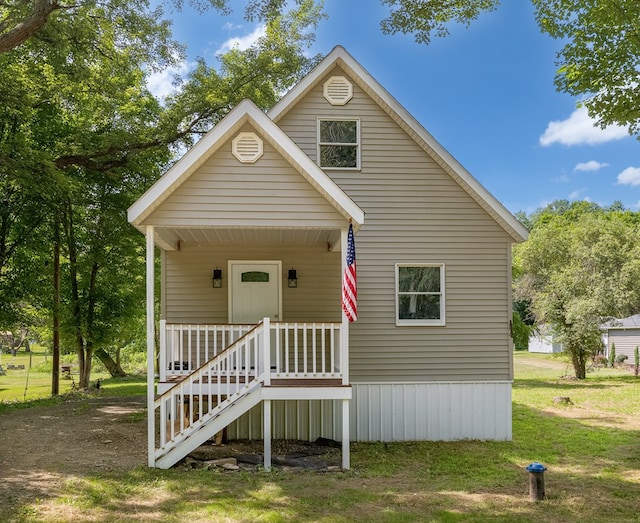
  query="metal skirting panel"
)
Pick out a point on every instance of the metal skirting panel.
point(431, 411)
point(393, 412)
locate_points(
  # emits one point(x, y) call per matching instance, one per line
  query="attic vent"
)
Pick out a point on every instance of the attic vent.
point(247, 147)
point(338, 90)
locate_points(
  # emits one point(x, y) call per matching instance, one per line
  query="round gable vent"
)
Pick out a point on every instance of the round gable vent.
point(247, 147)
point(338, 90)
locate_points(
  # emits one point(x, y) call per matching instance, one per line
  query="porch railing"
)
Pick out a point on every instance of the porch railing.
point(198, 391)
point(210, 388)
point(297, 350)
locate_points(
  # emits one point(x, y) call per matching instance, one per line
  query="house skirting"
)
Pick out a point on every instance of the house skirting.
point(431, 411)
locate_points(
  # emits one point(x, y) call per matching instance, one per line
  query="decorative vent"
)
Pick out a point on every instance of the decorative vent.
point(338, 90)
point(247, 147)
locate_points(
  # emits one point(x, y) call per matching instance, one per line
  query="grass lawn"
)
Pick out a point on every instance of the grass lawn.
point(590, 446)
point(33, 381)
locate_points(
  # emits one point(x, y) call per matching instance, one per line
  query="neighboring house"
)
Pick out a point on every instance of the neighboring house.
point(544, 340)
point(625, 334)
point(252, 226)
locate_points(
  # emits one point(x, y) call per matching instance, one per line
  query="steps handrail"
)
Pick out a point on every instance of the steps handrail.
point(213, 361)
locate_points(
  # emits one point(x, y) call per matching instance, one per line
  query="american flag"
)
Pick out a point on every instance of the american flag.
point(349, 287)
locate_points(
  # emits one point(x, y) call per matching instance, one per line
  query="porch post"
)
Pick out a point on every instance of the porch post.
point(344, 331)
point(346, 459)
point(151, 430)
point(266, 347)
point(267, 434)
point(344, 363)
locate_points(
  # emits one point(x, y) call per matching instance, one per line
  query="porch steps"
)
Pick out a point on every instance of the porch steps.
point(206, 427)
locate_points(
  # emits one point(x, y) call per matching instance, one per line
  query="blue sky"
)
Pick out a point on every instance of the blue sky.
point(485, 93)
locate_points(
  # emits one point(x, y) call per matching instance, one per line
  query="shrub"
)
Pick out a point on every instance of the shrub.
point(612, 355)
point(636, 363)
point(622, 358)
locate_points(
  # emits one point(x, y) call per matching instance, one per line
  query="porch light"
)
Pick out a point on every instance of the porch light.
point(293, 278)
point(217, 278)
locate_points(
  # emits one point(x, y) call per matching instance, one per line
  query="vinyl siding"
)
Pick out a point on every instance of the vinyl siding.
point(227, 193)
point(415, 212)
point(190, 298)
point(626, 342)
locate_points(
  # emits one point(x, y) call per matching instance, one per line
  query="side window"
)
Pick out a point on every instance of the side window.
point(338, 144)
point(420, 294)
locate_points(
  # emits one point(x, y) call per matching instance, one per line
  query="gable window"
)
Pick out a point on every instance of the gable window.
point(338, 144)
point(420, 294)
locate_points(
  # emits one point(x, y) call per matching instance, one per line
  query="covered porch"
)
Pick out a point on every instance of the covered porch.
point(210, 373)
point(231, 218)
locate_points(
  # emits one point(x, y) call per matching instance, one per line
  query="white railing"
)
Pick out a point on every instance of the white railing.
point(297, 350)
point(211, 387)
point(211, 376)
point(306, 350)
point(185, 347)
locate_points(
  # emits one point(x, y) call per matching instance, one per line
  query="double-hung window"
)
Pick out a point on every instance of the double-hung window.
point(338, 144)
point(420, 294)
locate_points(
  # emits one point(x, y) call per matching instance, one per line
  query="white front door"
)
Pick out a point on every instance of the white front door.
point(255, 291)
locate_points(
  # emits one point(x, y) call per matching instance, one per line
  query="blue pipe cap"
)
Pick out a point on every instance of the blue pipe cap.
point(536, 467)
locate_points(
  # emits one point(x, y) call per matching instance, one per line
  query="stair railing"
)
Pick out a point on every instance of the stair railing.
point(212, 386)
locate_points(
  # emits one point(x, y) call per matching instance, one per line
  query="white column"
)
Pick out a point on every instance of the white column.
point(266, 347)
point(344, 331)
point(267, 434)
point(346, 457)
point(344, 363)
point(151, 430)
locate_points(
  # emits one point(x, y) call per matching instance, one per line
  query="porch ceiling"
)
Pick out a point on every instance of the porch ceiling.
point(168, 238)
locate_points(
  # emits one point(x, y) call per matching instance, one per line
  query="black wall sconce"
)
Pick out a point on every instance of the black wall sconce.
point(293, 278)
point(217, 278)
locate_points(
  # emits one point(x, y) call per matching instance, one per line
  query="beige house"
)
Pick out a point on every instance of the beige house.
point(252, 224)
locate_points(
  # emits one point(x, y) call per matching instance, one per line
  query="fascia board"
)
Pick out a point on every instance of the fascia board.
point(339, 56)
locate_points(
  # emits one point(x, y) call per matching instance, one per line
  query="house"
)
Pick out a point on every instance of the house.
point(252, 227)
point(544, 340)
point(625, 334)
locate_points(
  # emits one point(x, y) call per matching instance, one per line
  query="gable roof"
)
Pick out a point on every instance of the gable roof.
point(244, 113)
point(340, 57)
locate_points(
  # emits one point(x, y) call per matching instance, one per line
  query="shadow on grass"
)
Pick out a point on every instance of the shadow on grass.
point(563, 384)
point(588, 475)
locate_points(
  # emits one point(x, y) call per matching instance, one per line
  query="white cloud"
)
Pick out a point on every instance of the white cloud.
point(579, 129)
point(590, 166)
point(161, 83)
point(630, 176)
point(575, 195)
point(563, 178)
point(242, 42)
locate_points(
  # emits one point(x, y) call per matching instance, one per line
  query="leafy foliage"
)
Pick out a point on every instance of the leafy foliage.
point(81, 137)
point(424, 18)
point(599, 61)
point(577, 270)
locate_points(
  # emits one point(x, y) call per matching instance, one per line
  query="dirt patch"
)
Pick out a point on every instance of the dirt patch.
point(42, 447)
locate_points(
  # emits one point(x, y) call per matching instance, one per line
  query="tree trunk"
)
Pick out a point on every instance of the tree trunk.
point(85, 370)
point(55, 375)
point(25, 29)
point(579, 360)
point(113, 367)
point(83, 353)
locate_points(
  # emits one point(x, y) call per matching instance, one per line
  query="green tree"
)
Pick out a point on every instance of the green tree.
point(81, 138)
point(576, 274)
point(599, 61)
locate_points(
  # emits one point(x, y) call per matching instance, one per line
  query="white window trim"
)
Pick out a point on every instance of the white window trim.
point(358, 143)
point(421, 323)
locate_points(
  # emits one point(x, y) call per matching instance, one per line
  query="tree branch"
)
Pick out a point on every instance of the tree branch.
point(25, 29)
